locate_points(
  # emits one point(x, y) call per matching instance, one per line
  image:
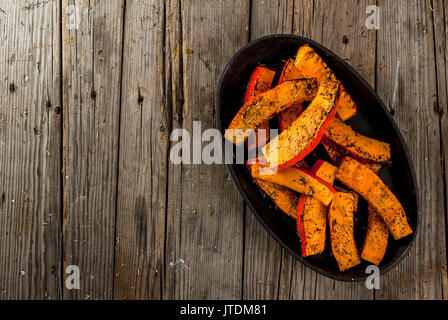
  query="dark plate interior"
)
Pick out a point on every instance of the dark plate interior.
point(372, 120)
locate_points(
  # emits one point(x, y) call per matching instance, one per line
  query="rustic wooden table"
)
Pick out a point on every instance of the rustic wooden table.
point(90, 93)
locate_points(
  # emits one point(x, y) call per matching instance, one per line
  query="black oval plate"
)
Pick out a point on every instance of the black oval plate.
point(372, 120)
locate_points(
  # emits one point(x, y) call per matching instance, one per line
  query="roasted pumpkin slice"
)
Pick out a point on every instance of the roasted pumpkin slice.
point(260, 81)
point(285, 199)
point(311, 65)
point(334, 155)
point(364, 181)
point(345, 107)
point(341, 222)
point(297, 179)
point(346, 141)
point(312, 214)
point(288, 116)
point(304, 134)
point(267, 105)
point(290, 72)
point(375, 242)
point(324, 170)
point(337, 157)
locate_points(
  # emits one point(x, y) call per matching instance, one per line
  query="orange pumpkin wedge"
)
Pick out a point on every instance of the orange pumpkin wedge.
point(290, 72)
point(364, 181)
point(288, 116)
point(341, 222)
point(345, 107)
point(311, 65)
point(305, 133)
point(267, 105)
point(375, 242)
point(346, 141)
point(260, 81)
point(334, 155)
point(337, 157)
point(297, 179)
point(284, 198)
point(312, 214)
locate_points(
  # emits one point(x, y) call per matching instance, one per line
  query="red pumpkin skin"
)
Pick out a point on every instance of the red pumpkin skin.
point(280, 122)
point(313, 144)
point(317, 166)
point(333, 158)
point(251, 92)
point(300, 226)
point(345, 152)
point(282, 74)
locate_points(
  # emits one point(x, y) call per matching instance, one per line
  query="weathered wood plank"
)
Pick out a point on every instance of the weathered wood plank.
point(91, 101)
point(440, 14)
point(205, 211)
point(30, 149)
point(341, 29)
point(406, 47)
point(268, 17)
point(174, 88)
point(263, 255)
point(143, 155)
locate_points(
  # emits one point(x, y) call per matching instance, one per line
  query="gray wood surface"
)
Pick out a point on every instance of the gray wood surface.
point(91, 103)
point(406, 43)
point(30, 151)
point(85, 122)
point(205, 216)
point(144, 133)
point(440, 10)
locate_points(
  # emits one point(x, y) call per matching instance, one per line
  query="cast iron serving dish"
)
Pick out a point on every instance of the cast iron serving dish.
point(372, 119)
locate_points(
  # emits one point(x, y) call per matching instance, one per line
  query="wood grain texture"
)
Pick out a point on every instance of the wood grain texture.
point(205, 211)
point(406, 44)
point(439, 13)
point(85, 124)
point(262, 253)
point(144, 134)
point(30, 136)
point(91, 101)
point(341, 29)
point(175, 102)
